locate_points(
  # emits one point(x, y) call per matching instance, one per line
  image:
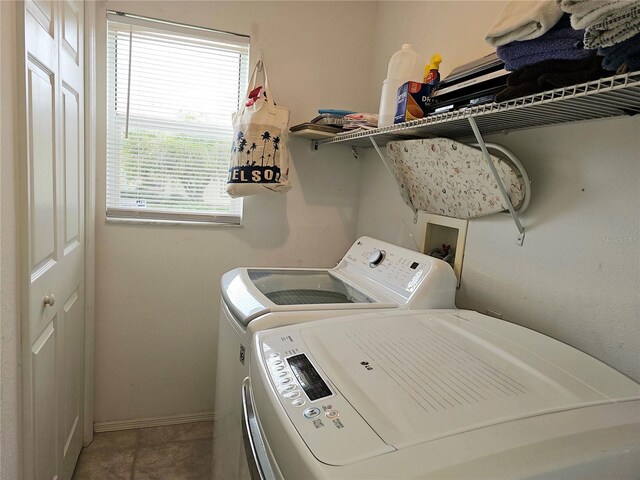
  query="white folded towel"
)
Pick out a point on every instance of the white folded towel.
point(524, 20)
point(615, 28)
point(585, 13)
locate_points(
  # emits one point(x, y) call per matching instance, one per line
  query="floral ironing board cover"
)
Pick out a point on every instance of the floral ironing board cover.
point(449, 178)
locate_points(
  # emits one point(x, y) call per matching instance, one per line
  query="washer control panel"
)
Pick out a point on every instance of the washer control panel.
point(322, 416)
point(393, 267)
point(297, 380)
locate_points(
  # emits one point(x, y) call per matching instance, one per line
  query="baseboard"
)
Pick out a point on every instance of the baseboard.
point(151, 422)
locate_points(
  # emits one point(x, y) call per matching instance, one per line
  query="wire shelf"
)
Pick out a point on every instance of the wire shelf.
point(607, 97)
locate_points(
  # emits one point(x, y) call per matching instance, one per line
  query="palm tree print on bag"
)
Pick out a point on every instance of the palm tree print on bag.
point(245, 168)
point(252, 148)
point(266, 136)
point(241, 145)
point(276, 147)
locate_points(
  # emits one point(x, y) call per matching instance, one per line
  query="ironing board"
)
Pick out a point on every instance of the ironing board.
point(450, 178)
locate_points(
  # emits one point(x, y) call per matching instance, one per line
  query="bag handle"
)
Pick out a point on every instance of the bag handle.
point(253, 80)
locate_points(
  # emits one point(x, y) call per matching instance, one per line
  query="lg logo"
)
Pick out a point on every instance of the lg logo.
point(366, 365)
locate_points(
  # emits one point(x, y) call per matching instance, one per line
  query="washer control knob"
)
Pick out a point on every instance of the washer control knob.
point(376, 258)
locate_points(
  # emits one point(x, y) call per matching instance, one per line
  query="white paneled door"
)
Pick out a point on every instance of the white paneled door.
point(54, 365)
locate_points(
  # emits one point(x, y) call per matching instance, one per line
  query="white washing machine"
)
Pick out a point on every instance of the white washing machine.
point(373, 275)
point(434, 394)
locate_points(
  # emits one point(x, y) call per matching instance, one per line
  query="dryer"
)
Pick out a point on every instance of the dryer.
point(434, 394)
point(372, 276)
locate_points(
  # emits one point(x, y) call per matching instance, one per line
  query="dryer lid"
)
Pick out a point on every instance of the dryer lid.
point(434, 375)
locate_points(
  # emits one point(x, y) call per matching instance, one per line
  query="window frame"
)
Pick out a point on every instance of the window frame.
point(137, 215)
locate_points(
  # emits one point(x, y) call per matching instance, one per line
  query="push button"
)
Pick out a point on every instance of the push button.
point(312, 412)
point(298, 402)
point(291, 394)
point(331, 414)
point(288, 388)
point(285, 380)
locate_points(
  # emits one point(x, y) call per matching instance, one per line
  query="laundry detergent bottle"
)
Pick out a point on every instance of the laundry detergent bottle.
point(406, 65)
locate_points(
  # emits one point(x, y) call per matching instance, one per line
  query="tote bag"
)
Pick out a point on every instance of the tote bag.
point(259, 161)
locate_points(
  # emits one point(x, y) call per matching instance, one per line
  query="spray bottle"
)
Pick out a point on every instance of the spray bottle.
point(431, 71)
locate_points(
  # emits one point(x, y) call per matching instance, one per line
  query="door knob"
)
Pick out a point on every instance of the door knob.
point(49, 299)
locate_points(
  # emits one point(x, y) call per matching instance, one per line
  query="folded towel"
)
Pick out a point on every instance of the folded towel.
point(549, 75)
point(591, 70)
point(533, 72)
point(359, 120)
point(523, 20)
point(625, 53)
point(556, 44)
point(585, 13)
point(615, 28)
point(371, 118)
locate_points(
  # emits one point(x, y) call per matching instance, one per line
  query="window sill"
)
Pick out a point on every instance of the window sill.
point(170, 223)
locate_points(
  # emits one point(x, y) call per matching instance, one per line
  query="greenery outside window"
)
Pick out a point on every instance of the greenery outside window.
point(171, 91)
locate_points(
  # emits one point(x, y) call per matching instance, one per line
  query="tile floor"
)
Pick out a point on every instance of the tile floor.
point(176, 452)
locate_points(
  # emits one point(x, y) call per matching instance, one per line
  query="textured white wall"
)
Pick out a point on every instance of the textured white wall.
point(10, 412)
point(157, 287)
point(577, 277)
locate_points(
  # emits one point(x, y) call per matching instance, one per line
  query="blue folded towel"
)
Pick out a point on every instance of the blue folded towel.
point(563, 43)
point(627, 52)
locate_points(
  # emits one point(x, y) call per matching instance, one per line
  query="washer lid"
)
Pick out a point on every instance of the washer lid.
point(433, 375)
point(300, 287)
point(252, 292)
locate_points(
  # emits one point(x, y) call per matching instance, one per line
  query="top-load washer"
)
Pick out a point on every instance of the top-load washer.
point(434, 394)
point(373, 275)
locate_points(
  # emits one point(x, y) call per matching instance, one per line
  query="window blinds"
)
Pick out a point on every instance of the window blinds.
point(171, 92)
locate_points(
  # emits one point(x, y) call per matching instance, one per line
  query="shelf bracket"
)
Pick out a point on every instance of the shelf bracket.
point(314, 145)
point(401, 187)
point(354, 152)
point(503, 191)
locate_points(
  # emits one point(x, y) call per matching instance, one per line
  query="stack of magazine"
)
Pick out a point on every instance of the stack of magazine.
point(328, 123)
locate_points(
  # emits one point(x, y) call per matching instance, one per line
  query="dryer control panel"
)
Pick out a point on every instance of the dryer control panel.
point(320, 414)
point(402, 271)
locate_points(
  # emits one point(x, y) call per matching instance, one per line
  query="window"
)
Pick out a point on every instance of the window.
point(171, 91)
